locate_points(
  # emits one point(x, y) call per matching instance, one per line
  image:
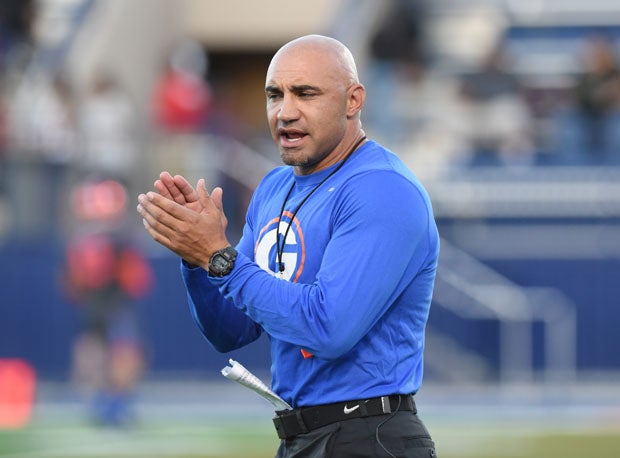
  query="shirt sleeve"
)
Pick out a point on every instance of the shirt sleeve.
point(380, 235)
point(224, 325)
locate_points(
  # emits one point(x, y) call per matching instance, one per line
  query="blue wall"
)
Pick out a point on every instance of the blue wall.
point(39, 324)
point(590, 282)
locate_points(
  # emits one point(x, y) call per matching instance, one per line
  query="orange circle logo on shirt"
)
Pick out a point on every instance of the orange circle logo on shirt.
point(293, 254)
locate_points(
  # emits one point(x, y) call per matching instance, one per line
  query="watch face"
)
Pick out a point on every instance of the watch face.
point(219, 263)
point(222, 262)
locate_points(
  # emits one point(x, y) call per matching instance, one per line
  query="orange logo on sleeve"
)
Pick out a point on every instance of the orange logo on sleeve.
point(306, 354)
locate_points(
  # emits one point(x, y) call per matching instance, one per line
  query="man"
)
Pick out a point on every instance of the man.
point(336, 264)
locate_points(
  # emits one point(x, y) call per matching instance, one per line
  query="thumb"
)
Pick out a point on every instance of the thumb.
point(203, 194)
point(216, 195)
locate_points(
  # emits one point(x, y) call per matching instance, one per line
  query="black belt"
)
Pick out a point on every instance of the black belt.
point(290, 423)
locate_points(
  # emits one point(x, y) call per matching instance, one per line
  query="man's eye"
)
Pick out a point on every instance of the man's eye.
point(273, 96)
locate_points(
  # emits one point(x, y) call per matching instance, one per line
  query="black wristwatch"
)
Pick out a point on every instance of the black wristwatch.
point(222, 262)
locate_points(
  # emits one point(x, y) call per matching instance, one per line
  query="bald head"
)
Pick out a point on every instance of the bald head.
point(314, 100)
point(331, 53)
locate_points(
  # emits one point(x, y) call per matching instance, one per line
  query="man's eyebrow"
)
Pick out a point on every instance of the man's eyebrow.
point(296, 89)
point(305, 88)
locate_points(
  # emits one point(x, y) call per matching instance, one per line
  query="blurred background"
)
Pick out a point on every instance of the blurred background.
point(509, 113)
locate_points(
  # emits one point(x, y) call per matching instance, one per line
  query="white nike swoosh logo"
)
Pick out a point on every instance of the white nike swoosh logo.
point(348, 410)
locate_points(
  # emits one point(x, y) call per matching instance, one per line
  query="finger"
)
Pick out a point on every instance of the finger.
point(152, 225)
point(162, 189)
point(165, 176)
point(162, 227)
point(151, 214)
point(155, 234)
point(167, 230)
point(185, 188)
point(170, 188)
point(164, 214)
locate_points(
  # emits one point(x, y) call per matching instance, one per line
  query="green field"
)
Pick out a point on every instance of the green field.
point(232, 439)
point(225, 421)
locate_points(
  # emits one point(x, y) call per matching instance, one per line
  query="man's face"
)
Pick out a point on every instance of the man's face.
point(306, 107)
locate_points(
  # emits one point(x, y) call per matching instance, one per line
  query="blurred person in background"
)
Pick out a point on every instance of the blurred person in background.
point(181, 105)
point(336, 264)
point(105, 274)
point(588, 129)
point(416, 109)
point(42, 148)
point(396, 48)
point(16, 24)
point(499, 122)
point(16, 48)
point(108, 130)
point(182, 97)
point(4, 213)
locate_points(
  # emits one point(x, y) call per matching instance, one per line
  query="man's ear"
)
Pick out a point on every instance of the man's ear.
point(356, 95)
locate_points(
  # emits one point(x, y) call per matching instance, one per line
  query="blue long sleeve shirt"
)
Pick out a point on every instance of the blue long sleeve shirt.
point(360, 257)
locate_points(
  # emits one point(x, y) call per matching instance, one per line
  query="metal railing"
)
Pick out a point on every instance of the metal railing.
point(473, 291)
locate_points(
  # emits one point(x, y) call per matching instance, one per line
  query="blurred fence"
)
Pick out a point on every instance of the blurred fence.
point(528, 278)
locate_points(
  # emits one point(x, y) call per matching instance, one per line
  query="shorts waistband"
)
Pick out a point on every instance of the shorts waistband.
point(290, 423)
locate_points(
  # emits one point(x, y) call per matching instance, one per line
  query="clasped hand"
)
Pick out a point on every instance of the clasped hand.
point(190, 222)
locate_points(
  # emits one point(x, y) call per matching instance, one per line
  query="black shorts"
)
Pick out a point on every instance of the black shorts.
point(401, 434)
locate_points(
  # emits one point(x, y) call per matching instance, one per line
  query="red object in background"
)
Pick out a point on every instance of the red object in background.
point(17, 388)
point(182, 102)
point(91, 263)
point(134, 274)
point(104, 200)
point(95, 264)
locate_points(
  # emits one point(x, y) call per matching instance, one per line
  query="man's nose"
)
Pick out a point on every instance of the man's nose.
point(289, 110)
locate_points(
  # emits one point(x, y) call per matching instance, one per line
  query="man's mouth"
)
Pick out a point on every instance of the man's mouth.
point(291, 137)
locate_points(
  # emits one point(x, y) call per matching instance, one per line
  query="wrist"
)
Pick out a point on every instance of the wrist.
point(188, 264)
